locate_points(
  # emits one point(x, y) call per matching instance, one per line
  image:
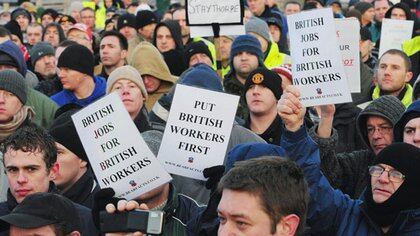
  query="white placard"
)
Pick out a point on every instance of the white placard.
point(348, 33)
point(117, 152)
point(205, 12)
point(317, 69)
point(207, 31)
point(197, 131)
point(394, 33)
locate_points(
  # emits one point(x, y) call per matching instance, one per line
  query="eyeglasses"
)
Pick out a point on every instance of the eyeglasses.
point(381, 129)
point(393, 175)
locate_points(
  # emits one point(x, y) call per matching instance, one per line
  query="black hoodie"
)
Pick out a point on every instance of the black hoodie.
point(174, 58)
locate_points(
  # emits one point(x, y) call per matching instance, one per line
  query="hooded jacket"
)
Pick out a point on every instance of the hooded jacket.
point(148, 61)
point(174, 58)
point(43, 106)
point(348, 171)
point(66, 96)
point(412, 112)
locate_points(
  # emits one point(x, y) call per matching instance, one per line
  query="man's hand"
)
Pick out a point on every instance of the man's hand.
point(123, 205)
point(326, 113)
point(290, 109)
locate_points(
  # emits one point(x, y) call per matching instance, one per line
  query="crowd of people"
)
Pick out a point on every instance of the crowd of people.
point(343, 169)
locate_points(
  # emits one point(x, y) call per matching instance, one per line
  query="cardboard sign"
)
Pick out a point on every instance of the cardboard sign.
point(317, 70)
point(348, 33)
point(197, 131)
point(206, 12)
point(394, 33)
point(117, 152)
point(201, 14)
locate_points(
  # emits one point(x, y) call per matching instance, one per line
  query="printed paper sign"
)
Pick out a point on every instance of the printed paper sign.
point(227, 13)
point(206, 12)
point(348, 40)
point(117, 152)
point(197, 131)
point(394, 33)
point(317, 69)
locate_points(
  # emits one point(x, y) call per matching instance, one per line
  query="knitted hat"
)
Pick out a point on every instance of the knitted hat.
point(202, 76)
point(6, 59)
point(388, 107)
point(363, 7)
point(285, 70)
point(41, 49)
point(78, 58)
point(274, 21)
point(405, 158)
point(144, 18)
point(127, 20)
point(266, 77)
point(21, 11)
point(412, 112)
point(258, 26)
point(53, 13)
point(129, 73)
point(247, 151)
point(64, 132)
point(194, 48)
point(246, 43)
point(13, 82)
point(14, 28)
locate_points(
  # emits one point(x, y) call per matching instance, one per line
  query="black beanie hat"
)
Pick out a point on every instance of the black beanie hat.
point(53, 13)
point(126, 20)
point(64, 132)
point(405, 158)
point(78, 58)
point(266, 77)
point(145, 17)
point(6, 59)
point(363, 7)
point(14, 28)
point(365, 34)
point(13, 82)
point(194, 48)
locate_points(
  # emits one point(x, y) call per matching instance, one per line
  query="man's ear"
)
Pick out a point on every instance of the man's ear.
point(124, 54)
point(54, 170)
point(288, 225)
point(408, 76)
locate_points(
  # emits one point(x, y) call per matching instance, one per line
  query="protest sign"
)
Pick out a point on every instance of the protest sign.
point(348, 33)
point(201, 14)
point(117, 152)
point(318, 70)
point(197, 130)
point(394, 33)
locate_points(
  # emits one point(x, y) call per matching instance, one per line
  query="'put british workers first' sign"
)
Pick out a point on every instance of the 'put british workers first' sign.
point(197, 131)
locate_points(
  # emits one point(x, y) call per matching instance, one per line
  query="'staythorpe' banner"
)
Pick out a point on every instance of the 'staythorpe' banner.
point(197, 131)
point(348, 33)
point(206, 12)
point(201, 14)
point(117, 152)
point(317, 69)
